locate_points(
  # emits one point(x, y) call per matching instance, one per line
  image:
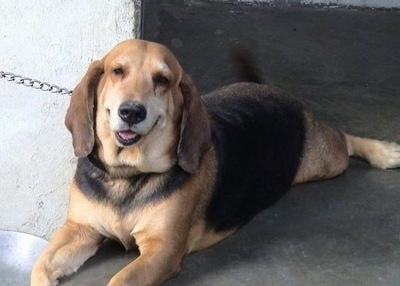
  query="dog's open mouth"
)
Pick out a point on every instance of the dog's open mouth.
point(127, 137)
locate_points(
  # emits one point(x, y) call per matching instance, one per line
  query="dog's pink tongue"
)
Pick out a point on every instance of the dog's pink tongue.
point(127, 135)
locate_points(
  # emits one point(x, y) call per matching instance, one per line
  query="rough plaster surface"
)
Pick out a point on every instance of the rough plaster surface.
point(357, 3)
point(52, 41)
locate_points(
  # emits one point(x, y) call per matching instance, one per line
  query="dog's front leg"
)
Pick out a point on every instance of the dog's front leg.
point(69, 248)
point(159, 260)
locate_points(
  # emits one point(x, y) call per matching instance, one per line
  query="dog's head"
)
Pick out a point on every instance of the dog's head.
point(140, 110)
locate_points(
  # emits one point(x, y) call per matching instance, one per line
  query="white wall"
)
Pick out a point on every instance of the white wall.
point(52, 41)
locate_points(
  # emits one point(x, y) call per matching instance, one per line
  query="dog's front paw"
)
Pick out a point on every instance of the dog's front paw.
point(115, 281)
point(40, 278)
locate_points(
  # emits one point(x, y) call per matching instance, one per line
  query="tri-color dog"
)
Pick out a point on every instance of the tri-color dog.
point(169, 172)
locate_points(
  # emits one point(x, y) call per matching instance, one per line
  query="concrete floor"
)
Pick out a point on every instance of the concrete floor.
point(345, 65)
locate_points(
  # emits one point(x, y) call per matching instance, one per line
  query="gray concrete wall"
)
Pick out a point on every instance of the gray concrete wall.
point(52, 41)
point(358, 3)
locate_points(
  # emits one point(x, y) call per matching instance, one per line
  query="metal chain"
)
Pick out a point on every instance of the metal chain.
point(34, 83)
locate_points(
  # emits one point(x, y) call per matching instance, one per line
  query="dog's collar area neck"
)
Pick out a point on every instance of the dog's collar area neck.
point(95, 161)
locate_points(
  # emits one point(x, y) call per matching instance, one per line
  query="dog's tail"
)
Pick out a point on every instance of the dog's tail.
point(248, 70)
point(380, 154)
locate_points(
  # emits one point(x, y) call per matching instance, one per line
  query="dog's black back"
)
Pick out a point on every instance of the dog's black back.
point(259, 139)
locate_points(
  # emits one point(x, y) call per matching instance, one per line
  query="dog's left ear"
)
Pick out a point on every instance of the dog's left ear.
point(195, 138)
point(80, 114)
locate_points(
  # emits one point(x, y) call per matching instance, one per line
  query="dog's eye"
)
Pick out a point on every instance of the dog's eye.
point(118, 71)
point(161, 80)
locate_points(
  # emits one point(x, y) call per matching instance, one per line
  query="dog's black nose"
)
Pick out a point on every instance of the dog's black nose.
point(132, 112)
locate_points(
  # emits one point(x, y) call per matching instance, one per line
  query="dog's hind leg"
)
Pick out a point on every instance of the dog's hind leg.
point(380, 154)
point(327, 151)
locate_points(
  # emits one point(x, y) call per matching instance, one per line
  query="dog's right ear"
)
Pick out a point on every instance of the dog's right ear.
point(80, 114)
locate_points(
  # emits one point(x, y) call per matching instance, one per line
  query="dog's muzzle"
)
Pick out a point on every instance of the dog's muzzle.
point(131, 113)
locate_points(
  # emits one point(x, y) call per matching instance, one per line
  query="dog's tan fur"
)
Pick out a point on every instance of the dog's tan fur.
point(167, 229)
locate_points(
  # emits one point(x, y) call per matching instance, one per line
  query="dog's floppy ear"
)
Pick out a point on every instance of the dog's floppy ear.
point(195, 137)
point(80, 114)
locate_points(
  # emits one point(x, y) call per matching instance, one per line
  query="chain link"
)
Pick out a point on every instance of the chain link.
point(34, 83)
